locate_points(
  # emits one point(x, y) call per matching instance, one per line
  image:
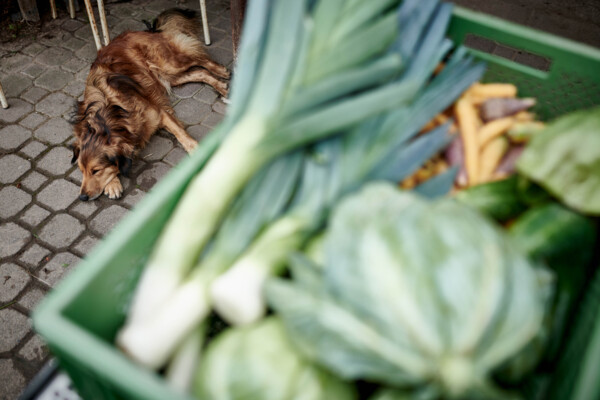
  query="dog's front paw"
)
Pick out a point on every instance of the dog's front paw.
point(114, 189)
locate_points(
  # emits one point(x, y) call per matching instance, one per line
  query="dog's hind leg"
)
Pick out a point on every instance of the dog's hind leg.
point(216, 69)
point(175, 127)
point(201, 75)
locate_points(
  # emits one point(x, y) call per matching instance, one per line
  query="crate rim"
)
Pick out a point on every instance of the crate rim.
point(61, 333)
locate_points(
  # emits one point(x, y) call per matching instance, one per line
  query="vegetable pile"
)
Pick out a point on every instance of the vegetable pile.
point(296, 267)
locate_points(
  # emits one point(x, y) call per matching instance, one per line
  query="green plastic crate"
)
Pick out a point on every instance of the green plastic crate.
point(79, 319)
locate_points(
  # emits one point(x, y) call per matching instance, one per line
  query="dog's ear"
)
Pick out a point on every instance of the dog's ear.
point(75, 148)
point(124, 164)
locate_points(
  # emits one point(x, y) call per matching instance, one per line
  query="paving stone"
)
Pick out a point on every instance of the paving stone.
point(85, 33)
point(74, 65)
point(31, 298)
point(220, 107)
point(33, 49)
point(56, 162)
point(206, 95)
point(76, 175)
point(57, 268)
point(147, 179)
point(12, 168)
point(88, 52)
point(34, 215)
point(133, 197)
point(86, 244)
point(107, 219)
point(14, 238)
point(59, 194)
point(13, 136)
point(128, 25)
point(61, 230)
point(34, 349)
point(34, 94)
point(34, 255)
point(13, 327)
point(12, 280)
point(188, 90)
point(12, 200)
point(12, 381)
point(33, 181)
point(222, 56)
point(72, 25)
point(74, 88)
point(54, 131)
point(223, 23)
point(85, 208)
point(16, 110)
point(82, 75)
point(73, 43)
point(175, 156)
point(213, 119)
point(54, 56)
point(156, 149)
point(14, 63)
point(191, 112)
point(198, 132)
point(15, 84)
point(33, 70)
point(53, 38)
point(54, 79)
point(33, 149)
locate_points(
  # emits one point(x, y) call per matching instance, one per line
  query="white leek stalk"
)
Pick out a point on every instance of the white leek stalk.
point(237, 294)
point(181, 369)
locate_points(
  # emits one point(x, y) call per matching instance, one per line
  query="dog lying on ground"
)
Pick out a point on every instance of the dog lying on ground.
point(126, 97)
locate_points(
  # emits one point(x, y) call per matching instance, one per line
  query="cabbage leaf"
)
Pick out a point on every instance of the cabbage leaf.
point(413, 293)
point(565, 159)
point(258, 362)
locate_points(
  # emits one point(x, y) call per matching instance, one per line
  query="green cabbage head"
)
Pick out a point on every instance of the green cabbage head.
point(414, 293)
point(258, 362)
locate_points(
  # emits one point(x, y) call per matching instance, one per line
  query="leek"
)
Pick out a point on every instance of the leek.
point(150, 341)
point(284, 53)
point(378, 149)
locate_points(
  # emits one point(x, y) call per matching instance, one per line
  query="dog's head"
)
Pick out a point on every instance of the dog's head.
point(99, 150)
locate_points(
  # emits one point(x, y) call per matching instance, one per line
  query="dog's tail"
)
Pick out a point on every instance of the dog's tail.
point(177, 20)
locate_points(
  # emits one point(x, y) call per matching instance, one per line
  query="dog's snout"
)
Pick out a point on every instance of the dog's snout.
point(84, 197)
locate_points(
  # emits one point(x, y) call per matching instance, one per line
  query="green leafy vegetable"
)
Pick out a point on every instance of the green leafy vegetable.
point(565, 159)
point(260, 363)
point(414, 293)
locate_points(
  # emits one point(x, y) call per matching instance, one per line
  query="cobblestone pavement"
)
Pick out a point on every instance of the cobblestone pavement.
point(44, 229)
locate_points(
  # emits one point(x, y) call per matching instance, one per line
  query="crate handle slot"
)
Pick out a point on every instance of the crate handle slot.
point(563, 55)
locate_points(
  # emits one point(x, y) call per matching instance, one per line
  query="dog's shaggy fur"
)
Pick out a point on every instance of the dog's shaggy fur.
point(126, 97)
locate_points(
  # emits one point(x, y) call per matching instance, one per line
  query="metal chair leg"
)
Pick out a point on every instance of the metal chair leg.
point(71, 9)
point(103, 22)
point(53, 9)
point(204, 22)
point(90, 13)
point(3, 98)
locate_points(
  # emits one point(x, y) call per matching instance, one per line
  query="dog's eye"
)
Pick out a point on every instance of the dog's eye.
point(95, 171)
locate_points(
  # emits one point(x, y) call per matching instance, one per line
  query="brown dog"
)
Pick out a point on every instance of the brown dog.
point(126, 97)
